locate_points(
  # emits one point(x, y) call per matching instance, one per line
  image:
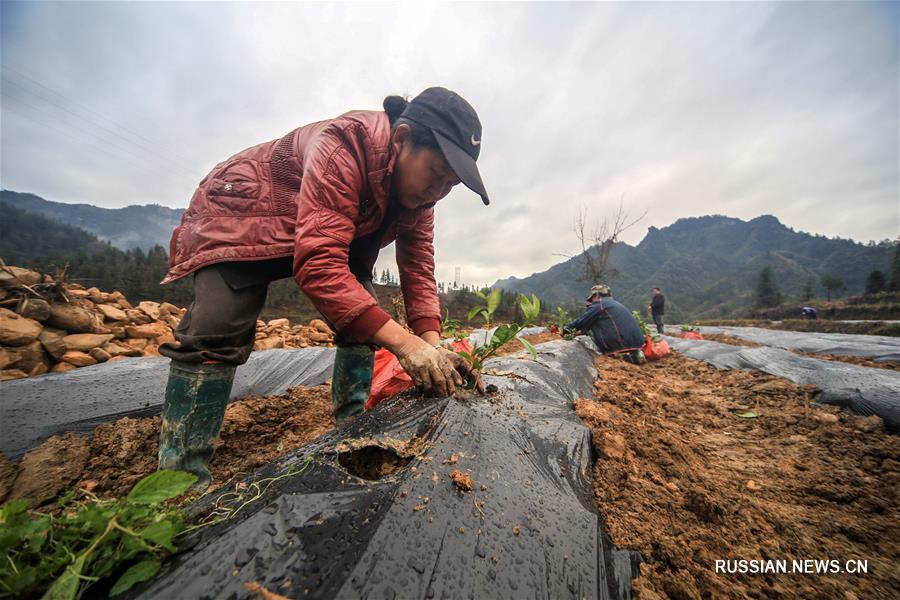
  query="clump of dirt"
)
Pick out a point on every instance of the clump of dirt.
point(892, 365)
point(372, 462)
point(256, 430)
point(462, 480)
point(684, 480)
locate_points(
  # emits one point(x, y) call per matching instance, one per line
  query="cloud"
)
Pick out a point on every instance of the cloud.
point(681, 109)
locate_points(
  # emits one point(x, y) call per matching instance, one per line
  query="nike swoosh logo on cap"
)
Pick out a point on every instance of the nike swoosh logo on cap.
point(474, 141)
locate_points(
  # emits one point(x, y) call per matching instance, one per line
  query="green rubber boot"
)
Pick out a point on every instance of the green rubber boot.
point(196, 397)
point(351, 381)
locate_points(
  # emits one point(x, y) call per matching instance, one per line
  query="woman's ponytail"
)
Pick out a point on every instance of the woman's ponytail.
point(394, 107)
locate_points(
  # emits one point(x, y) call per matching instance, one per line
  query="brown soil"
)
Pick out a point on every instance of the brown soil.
point(684, 480)
point(892, 365)
point(256, 430)
point(538, 338)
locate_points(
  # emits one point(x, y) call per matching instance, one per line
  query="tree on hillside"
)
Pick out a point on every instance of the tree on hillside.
point(832, 284)
point(768, 293)
point(597, 244)
point(895, 269)
point(876, 282)
point(809, 290)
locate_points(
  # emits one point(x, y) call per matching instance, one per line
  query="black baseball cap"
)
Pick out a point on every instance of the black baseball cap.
point(456, 128)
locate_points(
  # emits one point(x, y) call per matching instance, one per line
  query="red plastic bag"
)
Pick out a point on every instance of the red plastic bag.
point(389, 378)
point(691, 335)
point(656, 350)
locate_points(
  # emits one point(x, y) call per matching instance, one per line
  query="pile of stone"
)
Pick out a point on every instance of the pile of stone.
point(50, 327)
point(47, 326)
point(278, 333)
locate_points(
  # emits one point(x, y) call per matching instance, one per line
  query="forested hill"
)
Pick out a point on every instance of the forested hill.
point(125, 228)
point(708, 266)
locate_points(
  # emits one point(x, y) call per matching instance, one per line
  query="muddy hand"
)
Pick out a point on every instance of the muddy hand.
point(428, 367)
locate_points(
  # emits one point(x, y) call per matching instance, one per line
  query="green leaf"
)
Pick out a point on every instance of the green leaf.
point(493, 301)
point(137, 573)
point(529, 346)
point(160, 486)
point(746, 415)
point(475, 310)
point(66, 585)
point(161, 534)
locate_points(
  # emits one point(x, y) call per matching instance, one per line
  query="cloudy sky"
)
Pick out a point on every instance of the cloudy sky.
point(680, 109)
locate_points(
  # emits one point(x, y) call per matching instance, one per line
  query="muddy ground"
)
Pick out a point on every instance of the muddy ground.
point(256, 430)
point(892, 365)
point(684, 480)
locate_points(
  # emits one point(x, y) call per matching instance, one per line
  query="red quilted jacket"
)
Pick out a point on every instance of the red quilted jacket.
point(308, 195)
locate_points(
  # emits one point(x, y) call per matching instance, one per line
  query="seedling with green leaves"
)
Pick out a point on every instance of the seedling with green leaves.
point(562, 318)
point(451, 328)
point(645, 329)
point(530, 308)
point(92, 540)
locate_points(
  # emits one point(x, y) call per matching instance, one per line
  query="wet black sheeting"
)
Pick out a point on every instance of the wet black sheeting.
point(860, 390)
point(324, 533)
point(33, 409)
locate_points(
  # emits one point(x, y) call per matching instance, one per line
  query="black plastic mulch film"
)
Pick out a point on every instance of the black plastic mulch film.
point(370, 510)
point(861, 390)
point(33, 409)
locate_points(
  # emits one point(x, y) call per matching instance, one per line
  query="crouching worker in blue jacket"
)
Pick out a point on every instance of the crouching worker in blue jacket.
point(611, 325)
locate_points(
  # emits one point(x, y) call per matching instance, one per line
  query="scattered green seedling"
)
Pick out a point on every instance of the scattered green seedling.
point(645, 329)
point(92, 540)
point(451, 328)
point(530, 308)
point(562, 318)
point(690, 328)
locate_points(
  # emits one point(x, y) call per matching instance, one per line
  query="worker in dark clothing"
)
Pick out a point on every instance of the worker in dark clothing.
point(611, 325)
point(658, 309)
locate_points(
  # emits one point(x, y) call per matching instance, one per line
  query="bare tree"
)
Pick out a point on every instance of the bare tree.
point(598, 241)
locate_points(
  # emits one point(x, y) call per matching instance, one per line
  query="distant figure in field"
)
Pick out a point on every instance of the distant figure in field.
point(809, 312)
point(658, 309)
point(611, 325)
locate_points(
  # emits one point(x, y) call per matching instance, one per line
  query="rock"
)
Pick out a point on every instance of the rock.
point(112, 313)
point(318, 336)
point(53, 342)
point(138, 317)
point(49, 468)
point(70, 317)
point(869, 424)
point(151, 349)
point(124, 304)
point(79, 359)
point(118, 332)
point(279, 323)
point(116, 296)
point(612, 445)
point(39, 369)
point(99, 354)
point(151, 309)
point(10, 374)
point(827, 418)
point(115, 358)
point(115, 349)
point(9, 357)
point(13, 277)
point(321, 326)
point(86, 341)
point(16, 330)
point(34, 308)
point(165, 339)
point(62, 367)
point(753, 486)
point(169, 309)
point(269, 343)
point(77, 293)
point(171, 320)
point(137, 343)
point(32, 355)
point(149, 331)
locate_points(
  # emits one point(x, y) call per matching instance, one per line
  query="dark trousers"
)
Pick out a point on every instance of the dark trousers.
point(220, 324)
point(658, 320)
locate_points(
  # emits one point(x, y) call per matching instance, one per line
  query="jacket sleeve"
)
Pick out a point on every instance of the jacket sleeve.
point(415, 260)
point(586, 320)
point(333, 181)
